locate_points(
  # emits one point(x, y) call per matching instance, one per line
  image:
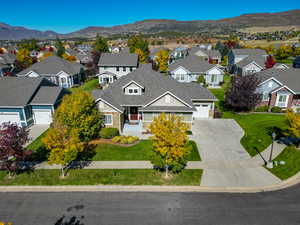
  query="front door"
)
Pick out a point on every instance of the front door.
point(133, 113)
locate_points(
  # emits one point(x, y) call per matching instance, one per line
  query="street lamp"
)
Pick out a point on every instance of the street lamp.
point(270, 163)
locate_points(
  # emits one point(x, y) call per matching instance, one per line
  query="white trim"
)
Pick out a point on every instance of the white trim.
point(168, 92)
point(112, 119)
point(286, 101)
point(177, 68)
point(278, 89)
point(222, 72)
point(271, 78)
point(100, 99)
point(126, 85)
point(253, 63)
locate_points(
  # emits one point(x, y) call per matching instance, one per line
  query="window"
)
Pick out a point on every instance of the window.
point(117, 68)
point(108, 119)
point(213, 78)
point(131, 68)
point(124, 69)
point(282, 100)
point(130, 91)
point(133, 91)
point(182, 77)
point(265, 96)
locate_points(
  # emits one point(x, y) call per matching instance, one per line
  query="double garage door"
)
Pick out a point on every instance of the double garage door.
point(42, 116)
point(202, 111)
point(13, 117)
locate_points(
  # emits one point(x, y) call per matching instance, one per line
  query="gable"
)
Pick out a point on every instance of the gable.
point(252, 66)
point(201, 54)
point(32, 74)
point(180, 70)
point(103, 107)
point(215, 70)
point(167, 100)
point(268, 86)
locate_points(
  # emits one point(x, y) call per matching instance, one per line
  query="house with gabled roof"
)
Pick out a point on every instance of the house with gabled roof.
point(112, 66)
point(280, 87)
point(56, 69)
point(6, 63)
point(211, 55)
point(137, 98)
point(27, 101)
point(190, 68)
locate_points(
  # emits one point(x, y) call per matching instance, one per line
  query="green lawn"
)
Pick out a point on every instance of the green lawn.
point(291, 157)
point(87, 86)
point(105, 176)
point(258, 129)
point(39, 151)
point(140, 151)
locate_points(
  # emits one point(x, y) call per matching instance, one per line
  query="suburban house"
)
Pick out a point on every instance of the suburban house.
point(27, 101)
point(280, 87)
point(250, 65)
point(134, 100)
point(205, 46)
point(114, 49)
point(59, 71)
point(6, 63)
point(191, 67)
point(178, 53)
point(113, 66)
point(154, 51)
point(212, 56)
point(235, 56)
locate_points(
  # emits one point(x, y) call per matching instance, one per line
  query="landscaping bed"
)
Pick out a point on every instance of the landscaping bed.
point(291, 157)
point(140, 151)
point(109, 141)
point(103, 176)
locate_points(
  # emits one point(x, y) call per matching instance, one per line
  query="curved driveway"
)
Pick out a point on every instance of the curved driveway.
point(219, 144)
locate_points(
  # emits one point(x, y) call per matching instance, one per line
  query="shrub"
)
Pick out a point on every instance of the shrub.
point(276, 109)
point(264, 108)
point(109, 132)
point(189, 132)
point(125, 139)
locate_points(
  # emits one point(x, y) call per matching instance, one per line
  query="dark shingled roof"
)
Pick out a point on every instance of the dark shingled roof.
point(17, 91)
point(120, 59)
point(288, 77)
point(7, 58)
point(258, 59)
point(46, 96)
point(53, 65)
point(249, 51)
point(155, 85)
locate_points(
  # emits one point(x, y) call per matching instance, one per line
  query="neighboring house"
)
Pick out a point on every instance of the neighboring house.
point(113, 66)
point(133, 101)
point(34, 54)
point(6, 63)
point(59, 71)
point(178, 53)
point(27, 101)
point(250, 65)
point(114, 49)
point(280, 87)
point(154, 51)
point(191, 67)
point(237, 55)
point(84, 47)
point(280, 66)
point(84, 57)
point(205, 46)
point(213, 56)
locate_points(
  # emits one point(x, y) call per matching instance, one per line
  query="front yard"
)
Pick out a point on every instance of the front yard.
point(291, 157)
point(104, 176)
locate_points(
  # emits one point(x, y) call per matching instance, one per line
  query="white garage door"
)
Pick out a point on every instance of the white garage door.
point(12, 117)
point(42, 116)
point(202, 111)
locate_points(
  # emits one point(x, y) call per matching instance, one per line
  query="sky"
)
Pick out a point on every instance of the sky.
point(65, 16)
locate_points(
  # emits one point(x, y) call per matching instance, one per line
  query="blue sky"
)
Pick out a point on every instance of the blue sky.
point(66, 15)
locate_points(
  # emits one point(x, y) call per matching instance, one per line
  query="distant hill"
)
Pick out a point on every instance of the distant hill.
point(288, 18)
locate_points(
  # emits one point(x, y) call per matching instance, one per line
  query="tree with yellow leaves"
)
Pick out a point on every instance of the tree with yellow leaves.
point(283, 52)
point(64, 146)
point(70, 58)
point(142, 56)
point(78, 111)
point(46, 55)
point(169, 142)
point(294, 124)
point(162, 58)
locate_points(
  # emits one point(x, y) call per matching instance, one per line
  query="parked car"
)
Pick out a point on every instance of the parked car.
point(296, 63)
point(288, 140)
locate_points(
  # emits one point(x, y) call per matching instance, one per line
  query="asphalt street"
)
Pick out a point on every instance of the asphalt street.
point(110, 208)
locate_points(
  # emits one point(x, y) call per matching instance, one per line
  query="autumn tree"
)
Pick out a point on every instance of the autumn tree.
point(241, 94)
point(100, 45)
point(141, 55)
point(270, 62)
point(23, 60)
point(162, 59)
point(137, 42)
point(294, 125)
point(12, 151)
point(283, 52)
point(169, 142)
point(64, 146)
point(70, 58)
point(78, 111)
point(45, 55)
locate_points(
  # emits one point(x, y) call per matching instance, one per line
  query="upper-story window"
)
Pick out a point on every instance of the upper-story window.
point(117, 68)
point(124, 69)
point(133, 91)
point(130, 68)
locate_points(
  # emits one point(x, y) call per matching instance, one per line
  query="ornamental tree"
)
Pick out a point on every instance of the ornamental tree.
point(64, 146)
point(162, 58)
point(12, 141)
point(242, 93)
point(142, 56)
point(169, 142)
point(294, 124)
point(78, 111)
point(100, 45)
point(270, 62)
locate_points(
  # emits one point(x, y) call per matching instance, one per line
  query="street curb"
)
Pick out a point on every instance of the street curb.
point(184, 189)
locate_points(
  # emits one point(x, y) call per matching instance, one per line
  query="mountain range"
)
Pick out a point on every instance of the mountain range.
point(287, 18)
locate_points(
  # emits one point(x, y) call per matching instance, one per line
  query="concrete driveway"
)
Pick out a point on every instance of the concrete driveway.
point(35, 131)
point(228, 163)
